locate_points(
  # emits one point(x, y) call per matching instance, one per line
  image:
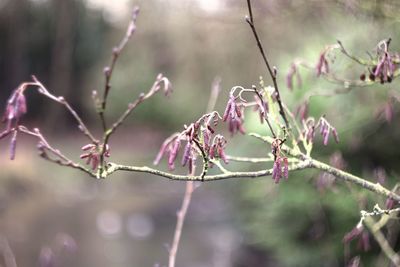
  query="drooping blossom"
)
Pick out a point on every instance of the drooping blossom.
point(386, 66)
point(362, 235)
point(15, 109)
point(280, 169)
point(302, 111)
point(261, 107)
point(293, 72)
point(322, 65)
point(92, 154)
point(200, 140)
point(234, 115)
point(217, 149)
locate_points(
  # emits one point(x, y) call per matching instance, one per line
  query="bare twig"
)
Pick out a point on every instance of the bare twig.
point(181, 215)
point(82, 126)
point(272, 73)
point(108, 71)
point(44, 146)
point(160, 83)
point(382, 241)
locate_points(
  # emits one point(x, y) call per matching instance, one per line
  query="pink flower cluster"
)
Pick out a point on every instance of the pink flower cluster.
point(280, 169)
point(325, 129)
point(362, 234)
point(92, 154)
point(199, 141)
point(15, 109)
point(234, 115)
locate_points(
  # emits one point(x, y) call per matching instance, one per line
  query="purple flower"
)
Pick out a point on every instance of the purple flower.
point(187, 153)
point(354, 233)
point(390, 203)
point(234, 116)
point(325, 130)
point(262, 108)
point(302, 111)
point(280, 169)
point(92, 154)
point(173, 154)
point(322, 65)
point(217, 149)
point(289, 77)
point(362, 234)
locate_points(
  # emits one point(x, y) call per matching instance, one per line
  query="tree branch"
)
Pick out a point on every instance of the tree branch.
point(272, 73)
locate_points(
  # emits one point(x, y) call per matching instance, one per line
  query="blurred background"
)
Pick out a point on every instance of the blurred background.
point(52, 215)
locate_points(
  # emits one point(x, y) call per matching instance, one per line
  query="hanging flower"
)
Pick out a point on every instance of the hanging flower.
point(280, 169)
point(234, 116)
point(92, 154)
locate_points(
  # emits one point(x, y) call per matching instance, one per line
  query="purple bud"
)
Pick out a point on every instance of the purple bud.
point(227, 110)
point(326, 135)
point(388, 112)
point(186, 153)
point(83, 156)
point(322, 127)
point(88, 147)
point(161, 152)
point(221, 154)
point(238, 112)
point(174, 153)
point(277, 170)
point(13, 145)
point(285, 168)
point(95, 161)
point(21, 105)
point(355, 232)
point(363, 242)
point(212, 152)
point(390, 203)
point(335, 135)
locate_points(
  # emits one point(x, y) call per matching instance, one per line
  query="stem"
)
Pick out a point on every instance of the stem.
point(265, 112)
point(272, 73)
point(82, 126)
point(383, 243)
point(44, 145)
point(108, 71)
point(181, 215)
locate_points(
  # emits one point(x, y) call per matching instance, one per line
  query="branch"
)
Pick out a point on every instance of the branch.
point(383, 243)
point(345, 176)
point(44, 146)
point(112, 167)
point(82, 126)
point(181, 215)
point(272, 73)
point(108, 71)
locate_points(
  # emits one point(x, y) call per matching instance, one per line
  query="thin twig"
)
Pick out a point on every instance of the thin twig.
point(108, 71)
point(160, 83)
point(272, 73)
point(382, 241)
point(44, 145)
point(265, 112)
point(356, 59)
point(82, 126)
point(181, 215)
